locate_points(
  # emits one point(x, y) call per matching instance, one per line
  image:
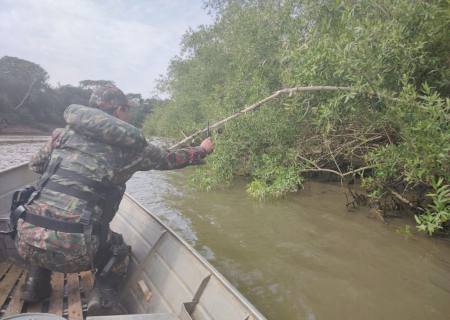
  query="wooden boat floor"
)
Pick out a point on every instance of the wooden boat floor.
point(68, 298)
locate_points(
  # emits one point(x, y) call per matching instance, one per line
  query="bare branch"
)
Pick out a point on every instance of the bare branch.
point(309, 161)
point(254, 106)
point(184, 135)
point(322, 170)
point(342, 175)
point(358, 170)
point(22, 102)
point(334, 159)
point(405, 201)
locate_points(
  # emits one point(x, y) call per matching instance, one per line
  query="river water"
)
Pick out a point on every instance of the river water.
point(306, 256)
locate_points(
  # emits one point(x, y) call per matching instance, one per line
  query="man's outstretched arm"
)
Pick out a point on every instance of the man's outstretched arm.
point(160, 159)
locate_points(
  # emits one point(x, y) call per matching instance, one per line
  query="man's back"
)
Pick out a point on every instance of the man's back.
point(82, 173)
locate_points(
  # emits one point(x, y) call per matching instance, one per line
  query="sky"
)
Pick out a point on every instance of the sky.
point(129, 42)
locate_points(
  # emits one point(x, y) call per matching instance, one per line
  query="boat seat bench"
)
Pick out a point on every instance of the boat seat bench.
point(68, 298)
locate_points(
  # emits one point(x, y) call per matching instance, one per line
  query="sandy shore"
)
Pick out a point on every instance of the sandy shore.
point(22, 138)
point(24, 130)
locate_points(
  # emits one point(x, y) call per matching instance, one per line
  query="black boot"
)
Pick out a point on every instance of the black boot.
point(104, 301)
point(37, 285)
point(112, 264)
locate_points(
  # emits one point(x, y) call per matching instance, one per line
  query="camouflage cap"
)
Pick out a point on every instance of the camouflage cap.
point(108, 98)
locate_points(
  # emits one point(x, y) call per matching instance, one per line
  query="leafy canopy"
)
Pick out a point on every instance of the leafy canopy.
point(394, 54)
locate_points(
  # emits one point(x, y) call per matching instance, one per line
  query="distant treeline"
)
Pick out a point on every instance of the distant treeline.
point(392, 129)
point(27, 99)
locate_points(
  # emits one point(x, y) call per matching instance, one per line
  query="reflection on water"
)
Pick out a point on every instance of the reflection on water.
point(306, 257)
point(150, 189)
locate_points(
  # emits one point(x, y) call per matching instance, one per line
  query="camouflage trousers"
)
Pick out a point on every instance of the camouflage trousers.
point(114, 254)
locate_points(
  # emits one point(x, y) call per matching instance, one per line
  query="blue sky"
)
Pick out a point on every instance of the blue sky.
point(129, 42)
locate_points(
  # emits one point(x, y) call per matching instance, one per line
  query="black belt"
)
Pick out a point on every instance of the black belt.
point(89, 197)
point(105, 201)
point(51, 223)
point(83, 180)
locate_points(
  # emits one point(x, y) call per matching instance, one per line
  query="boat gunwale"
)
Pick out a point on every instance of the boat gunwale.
point(221, 278)
point(15, 167)
point(203, 260)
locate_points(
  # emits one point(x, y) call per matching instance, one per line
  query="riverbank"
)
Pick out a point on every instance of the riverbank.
point(21, 130)
point(22, 138)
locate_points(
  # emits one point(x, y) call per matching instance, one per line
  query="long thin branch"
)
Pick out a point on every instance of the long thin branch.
point(309, 161)
point(254, 106)
point(358, 170)
point(26, 95)
point(342, 175)
point(334, 159)
point(322, 170)
point(405, 201)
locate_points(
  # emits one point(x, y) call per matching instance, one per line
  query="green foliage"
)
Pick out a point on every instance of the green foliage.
point(394, 54)
point(22, 84)
point(438, 212)
point(273, 177)
point(424, 149)
point(141, 108)
point(21, 71)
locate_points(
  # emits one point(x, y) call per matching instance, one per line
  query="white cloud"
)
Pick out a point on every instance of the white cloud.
point(129, 42)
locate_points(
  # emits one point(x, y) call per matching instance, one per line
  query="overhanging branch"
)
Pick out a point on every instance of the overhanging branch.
point(289, 91)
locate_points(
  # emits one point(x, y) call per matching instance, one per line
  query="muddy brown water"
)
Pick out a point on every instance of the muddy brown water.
point(306, 256)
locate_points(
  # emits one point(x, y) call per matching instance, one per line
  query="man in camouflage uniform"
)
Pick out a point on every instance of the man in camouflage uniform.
point(65, 225)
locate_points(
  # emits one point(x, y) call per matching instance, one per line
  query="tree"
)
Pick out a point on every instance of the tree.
point(72, 95)
point(26, 97)
point(142, 108)
point(394, 123)
point(21, 83)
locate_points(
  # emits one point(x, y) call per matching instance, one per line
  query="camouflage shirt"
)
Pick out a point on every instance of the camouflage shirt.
point(103, 149)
